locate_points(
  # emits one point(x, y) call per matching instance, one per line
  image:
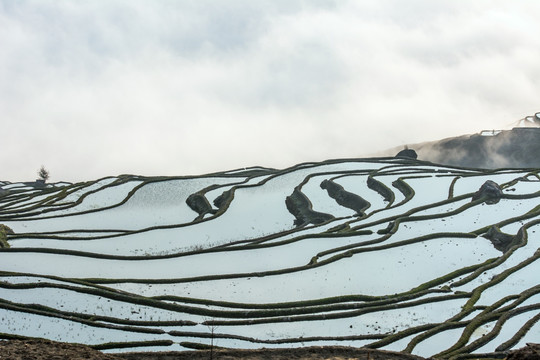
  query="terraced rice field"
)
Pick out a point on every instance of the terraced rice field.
point(380, 253)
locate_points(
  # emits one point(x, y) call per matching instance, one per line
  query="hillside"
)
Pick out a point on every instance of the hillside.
point(379, 253)
point(516, 148)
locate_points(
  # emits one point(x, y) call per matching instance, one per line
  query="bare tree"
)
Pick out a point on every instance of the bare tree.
point(43, 174)
point(212, 327)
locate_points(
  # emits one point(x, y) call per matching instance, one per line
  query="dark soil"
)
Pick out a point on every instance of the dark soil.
point(308, 353)
point(529, 352)
point(50, 350)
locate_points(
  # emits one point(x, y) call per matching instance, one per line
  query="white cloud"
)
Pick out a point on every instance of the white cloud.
point(102, 88)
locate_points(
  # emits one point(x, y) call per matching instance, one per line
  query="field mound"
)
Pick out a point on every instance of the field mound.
point(307, 353)
point(45, 350)
point(40, 349)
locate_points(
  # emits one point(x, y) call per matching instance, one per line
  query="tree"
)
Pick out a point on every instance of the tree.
point(43, 174)
point(212, 327)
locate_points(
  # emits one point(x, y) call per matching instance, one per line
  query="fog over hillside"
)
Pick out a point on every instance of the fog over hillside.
point(515, 148)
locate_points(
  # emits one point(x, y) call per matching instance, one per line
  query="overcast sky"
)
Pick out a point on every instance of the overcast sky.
point(97, 88)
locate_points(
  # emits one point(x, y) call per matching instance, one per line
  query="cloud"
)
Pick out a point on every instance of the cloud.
point(169, 88)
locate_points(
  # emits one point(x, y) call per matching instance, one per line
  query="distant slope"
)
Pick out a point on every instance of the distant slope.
point(516, 148)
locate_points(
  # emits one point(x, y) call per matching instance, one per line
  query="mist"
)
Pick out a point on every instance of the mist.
point(168, 88)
